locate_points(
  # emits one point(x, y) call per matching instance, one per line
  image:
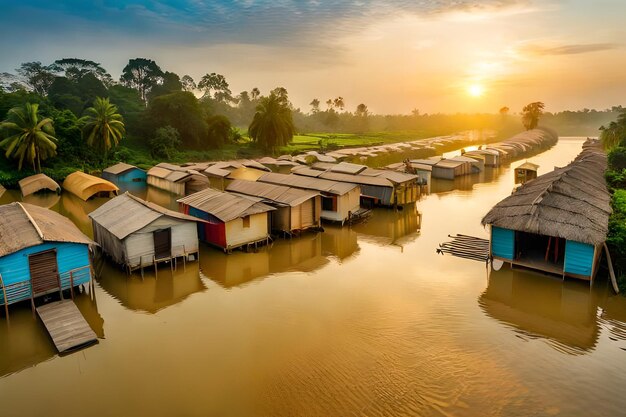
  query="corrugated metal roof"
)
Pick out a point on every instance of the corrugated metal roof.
point(335, 176)
point(125, 214)
point(298, 181)
point(24, 225)
point(120, 168)
point(449, 163)
point(528, 166)
point(272, 192)
point(158, 172)
point(224, 206)
point(34, 183)
point(216, 172)
point(85, 186)
point(178, 176)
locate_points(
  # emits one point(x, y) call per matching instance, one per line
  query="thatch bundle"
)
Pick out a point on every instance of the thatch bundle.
point(570, 202)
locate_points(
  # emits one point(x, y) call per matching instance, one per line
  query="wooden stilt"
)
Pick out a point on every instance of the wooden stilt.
point(556, 249)
point(548, 249)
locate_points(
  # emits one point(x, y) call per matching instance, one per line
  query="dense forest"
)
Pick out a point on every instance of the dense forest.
point(161, 115)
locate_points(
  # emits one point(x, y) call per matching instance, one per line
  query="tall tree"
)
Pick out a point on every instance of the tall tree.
point(219, 130)
point(504, 111)
point(170, 83)
point(272, 124)
point(217, 84)
point(315, 106)
point(361, 110)
point(188, 83)
point(74, 69)
point(182, 111)
point(142, 74)
point(255, 93)
point(531, 113)
point(329, 103)
point(615, 134)
point(27, 137)
point(37, 76)
point(338, 103)
point(103, 126)
point(243, 98)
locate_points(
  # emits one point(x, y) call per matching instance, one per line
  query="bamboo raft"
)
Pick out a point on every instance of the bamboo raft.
point(468, 247)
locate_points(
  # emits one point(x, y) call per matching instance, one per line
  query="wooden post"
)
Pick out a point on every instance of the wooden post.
point(6, 302)
point(72, 284)
point(556, 249)
point(32, 298)
point(548, 249)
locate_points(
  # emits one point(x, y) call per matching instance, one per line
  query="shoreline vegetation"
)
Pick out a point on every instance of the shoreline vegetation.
point(613, 138)
point(168, 117)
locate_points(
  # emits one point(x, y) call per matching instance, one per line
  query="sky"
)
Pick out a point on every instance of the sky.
point(443, 56)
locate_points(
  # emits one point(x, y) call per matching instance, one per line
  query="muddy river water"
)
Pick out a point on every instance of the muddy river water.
point(361, 321)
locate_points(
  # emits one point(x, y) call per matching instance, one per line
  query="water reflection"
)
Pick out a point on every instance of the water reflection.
point(467, 182)
point(391, 227)
point(24, 341)
point(307, 253)
point(152, 293)
point(561, 312)
point(47, 200)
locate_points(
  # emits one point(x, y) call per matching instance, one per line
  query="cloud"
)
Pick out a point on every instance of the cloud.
point(568, 49)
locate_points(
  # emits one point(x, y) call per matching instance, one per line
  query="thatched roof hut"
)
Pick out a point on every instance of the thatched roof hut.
point(570, 203)
point(38, 182)
point(85, 186)
point(41, 251)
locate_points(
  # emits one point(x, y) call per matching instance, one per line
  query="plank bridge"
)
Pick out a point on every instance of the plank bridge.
point(67, 327)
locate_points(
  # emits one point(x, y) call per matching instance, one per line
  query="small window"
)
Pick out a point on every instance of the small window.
point(329, 203)
point(246, 221)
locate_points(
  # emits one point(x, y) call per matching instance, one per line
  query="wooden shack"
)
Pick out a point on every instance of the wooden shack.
point(232, 221)
point(37, 183)
point(558, 222)
point(40, 252)
point(526, 172)
point(136, 233)
point(177, 180)
point(378, 186)
point(340, 201)
point(296, 209)
point(491, 157)
point(86, 186)
point(124, 173)
point(448, 169)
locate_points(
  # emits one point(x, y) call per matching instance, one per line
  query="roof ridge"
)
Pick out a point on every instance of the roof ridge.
point(32, 221)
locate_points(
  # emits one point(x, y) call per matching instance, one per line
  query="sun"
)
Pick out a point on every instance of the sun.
point(475, 90)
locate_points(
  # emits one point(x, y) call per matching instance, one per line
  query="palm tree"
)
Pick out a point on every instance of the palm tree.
point(28, 137)
point(103, 126)
point(272, 124)
point(615, 134)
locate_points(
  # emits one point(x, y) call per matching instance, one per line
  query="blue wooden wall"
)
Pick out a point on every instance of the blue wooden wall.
point(502, 243)
point(14, 267)
point(132, 175)
point(578, 258)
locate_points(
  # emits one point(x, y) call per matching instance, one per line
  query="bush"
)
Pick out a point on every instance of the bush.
point(617, 159)
point(615, 179)
point(165, 143)
point(616, 238)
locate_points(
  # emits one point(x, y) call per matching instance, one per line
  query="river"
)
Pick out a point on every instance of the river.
point(367, 320)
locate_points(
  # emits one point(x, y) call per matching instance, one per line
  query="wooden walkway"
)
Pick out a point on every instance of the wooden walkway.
point(67, 326)
point(468, 247)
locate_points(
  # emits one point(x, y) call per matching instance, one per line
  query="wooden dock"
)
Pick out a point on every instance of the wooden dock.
point(67, 326)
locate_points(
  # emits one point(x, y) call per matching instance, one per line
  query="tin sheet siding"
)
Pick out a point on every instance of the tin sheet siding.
point(14, 267)
point(578, 258)
point(237, 235)
point(350, 202)
point(502, 242)
point(134, 175)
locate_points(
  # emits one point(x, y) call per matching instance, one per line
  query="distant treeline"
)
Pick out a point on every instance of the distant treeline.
point(165, 113)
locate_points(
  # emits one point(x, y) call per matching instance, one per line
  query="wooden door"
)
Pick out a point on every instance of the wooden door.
point(44, 271)
point(163, 243)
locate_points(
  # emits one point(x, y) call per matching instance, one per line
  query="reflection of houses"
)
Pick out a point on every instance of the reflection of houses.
point(23, 344)
point(296, 209)
point(562, 313)
point(124, 173)
point(86, 186)
point(136, 233)
point(39, 182)
point(41, 252)
point(232, 221)
point(339, 200)
point(2, 190)
point(340, 242)
point(151, 294)
point(557, 222)
point(299, 255)
point(392, 227)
